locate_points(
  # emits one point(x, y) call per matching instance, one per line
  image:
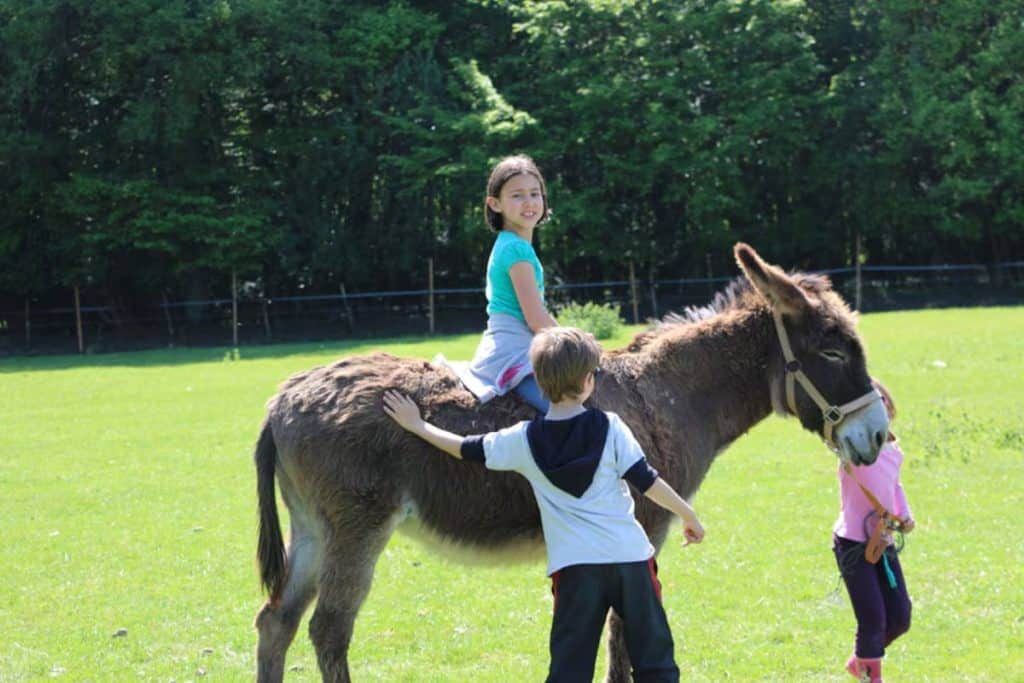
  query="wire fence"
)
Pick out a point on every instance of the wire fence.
point(254, 319)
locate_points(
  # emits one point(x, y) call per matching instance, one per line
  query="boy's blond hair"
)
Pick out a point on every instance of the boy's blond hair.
point(562, 357)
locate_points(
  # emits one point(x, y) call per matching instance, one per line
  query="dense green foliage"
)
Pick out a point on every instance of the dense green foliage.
point(151, 148)
point(129, 501)
point(602, 320)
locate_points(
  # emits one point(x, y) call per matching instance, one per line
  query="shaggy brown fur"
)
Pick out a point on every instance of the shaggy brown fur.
point(350, 476)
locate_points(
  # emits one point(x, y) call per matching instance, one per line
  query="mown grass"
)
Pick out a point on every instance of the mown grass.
point(127, 496)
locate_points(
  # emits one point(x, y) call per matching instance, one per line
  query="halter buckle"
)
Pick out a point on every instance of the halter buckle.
point(833, 415)
point(793, 366)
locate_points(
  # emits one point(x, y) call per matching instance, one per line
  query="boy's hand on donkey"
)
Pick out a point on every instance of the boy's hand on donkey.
point(693, 532)
point(402, 410)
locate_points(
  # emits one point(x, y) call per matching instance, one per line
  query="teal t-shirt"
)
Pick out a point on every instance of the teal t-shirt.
point(509, 249)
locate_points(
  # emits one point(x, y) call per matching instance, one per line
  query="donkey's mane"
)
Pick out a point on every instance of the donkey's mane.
point(737, 295)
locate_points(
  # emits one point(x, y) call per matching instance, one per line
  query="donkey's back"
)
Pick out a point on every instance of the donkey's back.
point(332, 438)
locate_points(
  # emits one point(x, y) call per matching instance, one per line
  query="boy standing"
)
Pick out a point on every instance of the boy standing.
point(575, 459)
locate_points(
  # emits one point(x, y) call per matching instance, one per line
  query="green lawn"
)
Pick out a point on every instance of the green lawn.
point(127, 495)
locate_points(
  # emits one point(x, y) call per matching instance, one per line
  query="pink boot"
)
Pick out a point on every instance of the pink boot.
point(851, 666)
point(865, 670)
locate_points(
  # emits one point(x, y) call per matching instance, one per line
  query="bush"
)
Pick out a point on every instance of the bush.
point(601, 320)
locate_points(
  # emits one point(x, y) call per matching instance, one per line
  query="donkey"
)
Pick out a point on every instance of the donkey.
point(687, 388)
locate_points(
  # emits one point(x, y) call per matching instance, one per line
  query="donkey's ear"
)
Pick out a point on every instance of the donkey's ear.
point(773, 284)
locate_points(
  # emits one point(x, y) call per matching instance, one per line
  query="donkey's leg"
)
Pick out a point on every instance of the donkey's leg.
point(619, 666)
point(278, 623)
point(351, 552)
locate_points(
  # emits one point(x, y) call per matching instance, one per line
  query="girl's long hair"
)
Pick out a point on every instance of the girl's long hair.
point(500, 174)
point(890, 407)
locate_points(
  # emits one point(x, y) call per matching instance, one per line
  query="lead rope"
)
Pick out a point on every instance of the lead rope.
point(888, 571)
point(875, 546)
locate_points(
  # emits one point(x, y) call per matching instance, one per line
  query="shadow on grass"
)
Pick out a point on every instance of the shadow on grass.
point(457, 346)
point(417, 345)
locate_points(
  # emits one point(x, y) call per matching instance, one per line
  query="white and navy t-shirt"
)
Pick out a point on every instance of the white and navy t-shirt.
point(578, 469)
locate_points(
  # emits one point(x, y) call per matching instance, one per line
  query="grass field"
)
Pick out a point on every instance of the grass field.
point(127, 495)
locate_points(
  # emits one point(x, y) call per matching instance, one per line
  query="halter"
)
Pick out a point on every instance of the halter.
point(832, 415)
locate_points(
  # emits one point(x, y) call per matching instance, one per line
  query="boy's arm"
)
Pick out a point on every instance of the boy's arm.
point(402, 410)
point(665, 496)
point(646, 480)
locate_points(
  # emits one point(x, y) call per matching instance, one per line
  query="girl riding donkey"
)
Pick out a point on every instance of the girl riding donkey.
point(515, 204)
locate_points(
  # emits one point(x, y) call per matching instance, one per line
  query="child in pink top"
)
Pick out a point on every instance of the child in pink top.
point(877, 590)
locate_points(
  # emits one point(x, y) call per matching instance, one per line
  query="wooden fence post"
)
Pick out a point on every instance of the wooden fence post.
point(652, 287)
point(234, 308)
point(349, 320)
point(78, 321)
point(170, 321)
point(430, 292)
point(709, 275)
point(857, 280)
point(632, 292)
point(266, 318)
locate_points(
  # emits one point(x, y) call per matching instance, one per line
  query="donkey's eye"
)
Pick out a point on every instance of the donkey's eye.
point(834, 356)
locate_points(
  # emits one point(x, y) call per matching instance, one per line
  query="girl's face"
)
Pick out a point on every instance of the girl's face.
point(520, 203)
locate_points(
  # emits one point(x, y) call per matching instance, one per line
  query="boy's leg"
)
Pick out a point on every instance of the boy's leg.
point(897, 603)
point(648, 636)
point(580, 611)
point(530, 392)
point(865, 591)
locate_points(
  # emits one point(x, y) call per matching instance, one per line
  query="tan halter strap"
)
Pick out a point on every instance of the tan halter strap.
point(876, 542)
point(831, 414)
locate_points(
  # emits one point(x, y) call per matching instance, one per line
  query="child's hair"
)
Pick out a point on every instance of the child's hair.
point(500, 174)
point(890, 407)
point(562, 357)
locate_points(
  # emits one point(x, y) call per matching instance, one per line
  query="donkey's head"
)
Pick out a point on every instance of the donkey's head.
point(824, 380)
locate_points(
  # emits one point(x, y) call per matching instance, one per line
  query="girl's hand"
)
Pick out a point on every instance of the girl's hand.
point(402, 410)
point(908, 525)
point(693, 532)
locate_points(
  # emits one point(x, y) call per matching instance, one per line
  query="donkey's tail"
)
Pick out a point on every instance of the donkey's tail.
point(270, 548)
